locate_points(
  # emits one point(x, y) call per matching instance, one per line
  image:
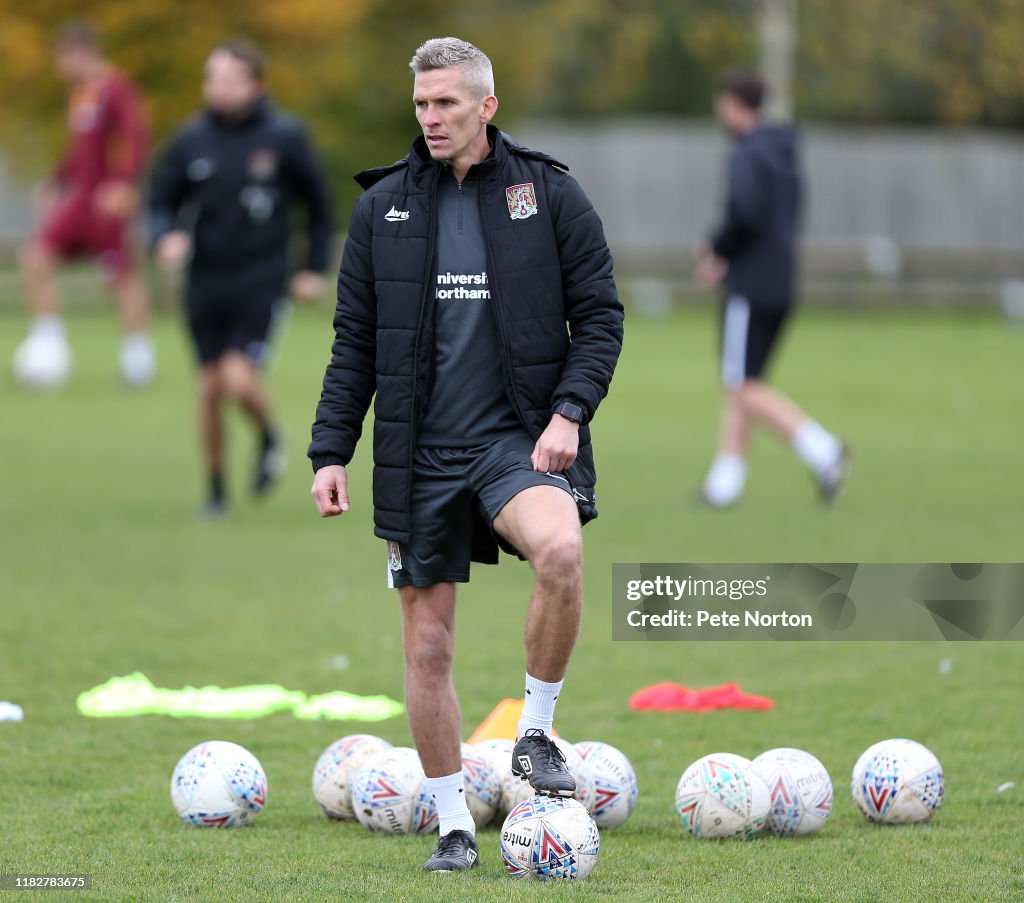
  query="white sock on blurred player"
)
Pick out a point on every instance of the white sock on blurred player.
point(816, 446)
point(450, 797)
point(48, 326)
point(137, 359)
point(539, 707)
point(725, 480)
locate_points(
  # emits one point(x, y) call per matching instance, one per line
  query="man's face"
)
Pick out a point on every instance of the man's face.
point(229, 86)
point(73, 61)
point(732, 114)
point(454, 122)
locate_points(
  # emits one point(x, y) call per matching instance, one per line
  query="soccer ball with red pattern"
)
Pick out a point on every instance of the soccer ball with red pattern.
point(800, 789)
point(550, 838)
point(388, 794)
point(335, 769)
point(615, 786)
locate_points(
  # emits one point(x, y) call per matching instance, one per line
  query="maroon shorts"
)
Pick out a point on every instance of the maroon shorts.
point(75, 230)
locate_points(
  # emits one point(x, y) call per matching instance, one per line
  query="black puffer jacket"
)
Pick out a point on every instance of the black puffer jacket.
point(546, 269)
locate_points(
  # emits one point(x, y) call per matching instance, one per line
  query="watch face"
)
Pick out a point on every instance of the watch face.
point(571, 411)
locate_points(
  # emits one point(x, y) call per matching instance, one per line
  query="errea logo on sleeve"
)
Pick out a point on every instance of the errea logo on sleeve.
point(396, 216)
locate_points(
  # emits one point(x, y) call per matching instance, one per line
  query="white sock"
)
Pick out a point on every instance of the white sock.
point(539, 707)
point(816, 446)
point(450, 797)
point(48, 325)
point(725, 480)
point(137, 358)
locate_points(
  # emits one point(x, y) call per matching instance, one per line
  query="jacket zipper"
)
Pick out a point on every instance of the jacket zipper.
point(498, 318)
point(429, 269)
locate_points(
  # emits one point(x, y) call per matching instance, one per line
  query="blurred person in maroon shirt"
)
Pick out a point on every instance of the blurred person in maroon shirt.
point(88, 205)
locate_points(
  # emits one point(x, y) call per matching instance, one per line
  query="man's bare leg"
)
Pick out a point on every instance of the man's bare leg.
point(428, 638)
point(727, 475)
point(211, 433)
point(137, 359)
point(542, 522)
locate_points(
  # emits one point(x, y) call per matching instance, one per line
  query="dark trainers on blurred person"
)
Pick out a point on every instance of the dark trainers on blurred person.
point(270, 464)
point(456, 852)
point(213, 509)
point(538, 760)
point(833, 478)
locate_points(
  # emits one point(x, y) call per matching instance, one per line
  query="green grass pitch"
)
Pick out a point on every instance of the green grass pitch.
point(104, 570)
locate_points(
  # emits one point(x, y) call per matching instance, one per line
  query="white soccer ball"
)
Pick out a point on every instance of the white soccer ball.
point(586, 793)
point(43, 362)
point(720, 796)
point(218, 785)
point(800, 790)
point(615, 786)
point(481, 784)
point(335, 768)
point(898, 781)
point(514, 790)
point(388, 794)
point(546, 837)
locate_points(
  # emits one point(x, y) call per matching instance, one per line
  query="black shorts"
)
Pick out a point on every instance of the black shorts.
point(218, 325)
point(456, 492)
point(748, 336)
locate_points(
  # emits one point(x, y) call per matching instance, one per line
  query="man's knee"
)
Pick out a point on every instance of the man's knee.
point(428, 630)
point(429, 649)
point(237, 376)
point(210, 386)
point(559, 559)
point(35, 257)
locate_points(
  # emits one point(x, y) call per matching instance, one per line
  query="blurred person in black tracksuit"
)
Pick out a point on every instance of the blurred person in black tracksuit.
point(220, 200)
point(752, 255)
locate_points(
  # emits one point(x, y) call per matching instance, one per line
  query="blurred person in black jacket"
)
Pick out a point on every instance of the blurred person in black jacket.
point(220, 201)
point(753, 257)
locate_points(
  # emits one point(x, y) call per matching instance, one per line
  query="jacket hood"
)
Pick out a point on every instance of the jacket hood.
point(776, 140)
point(419, 160)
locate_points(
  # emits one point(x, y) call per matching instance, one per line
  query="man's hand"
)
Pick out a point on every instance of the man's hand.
point(46, 196)
point(557, 446)
point(116, 199)
point(307, 285)
point(330, 490)
point(711, 269)
point(172, 249)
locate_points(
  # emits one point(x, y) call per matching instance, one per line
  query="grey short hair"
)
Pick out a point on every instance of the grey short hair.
point(448, 53)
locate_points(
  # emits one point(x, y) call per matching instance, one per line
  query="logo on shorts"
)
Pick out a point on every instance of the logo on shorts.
point(394, 556)
point(522, 200)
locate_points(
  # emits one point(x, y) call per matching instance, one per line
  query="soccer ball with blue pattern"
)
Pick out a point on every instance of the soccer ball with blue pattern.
point(549, 838)
point(218, 785)
point(800, 790)
point(898, 781)
point(720, 796)
point(388, 794)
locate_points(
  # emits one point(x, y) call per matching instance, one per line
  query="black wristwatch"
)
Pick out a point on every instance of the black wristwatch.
point(570, 411)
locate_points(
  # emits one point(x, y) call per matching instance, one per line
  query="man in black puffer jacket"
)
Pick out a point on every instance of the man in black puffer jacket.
point(476, 300)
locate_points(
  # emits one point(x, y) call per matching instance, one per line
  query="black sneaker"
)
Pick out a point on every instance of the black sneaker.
point(456, 851)
point(270, 464)
point(213, 509)
point(537, 759)
point(830, 482)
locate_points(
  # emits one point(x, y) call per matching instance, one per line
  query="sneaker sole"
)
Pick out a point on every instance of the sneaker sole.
point(540, 792)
